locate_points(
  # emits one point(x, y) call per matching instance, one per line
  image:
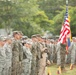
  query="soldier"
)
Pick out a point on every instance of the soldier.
point(17, 53)
point(52, 51)
point(44, 55)
point(61, 56)
point(46, 43)
point(58, 54)
point(68, 55)
point(34, 51)
point(55, 52)
point(2, 57)
point(27, 58)
point(8, 51)
point(74, 40)
point(73, 48)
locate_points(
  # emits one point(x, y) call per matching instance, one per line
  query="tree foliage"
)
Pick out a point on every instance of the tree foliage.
point(58, 20)
point(35, 16)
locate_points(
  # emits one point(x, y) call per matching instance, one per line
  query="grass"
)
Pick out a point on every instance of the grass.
point(68, 71)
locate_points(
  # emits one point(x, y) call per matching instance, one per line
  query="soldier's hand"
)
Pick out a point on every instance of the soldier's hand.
point(48, 62)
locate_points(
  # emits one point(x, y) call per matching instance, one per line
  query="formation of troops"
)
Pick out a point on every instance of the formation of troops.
point(20, 55)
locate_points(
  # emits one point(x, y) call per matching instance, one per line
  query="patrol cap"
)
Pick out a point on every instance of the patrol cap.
point(51, 40)
point(43, 37)
point(38, 35)
point(33, 36)
point(23, 41)
point(20, 32)
point(15, 32)
point(28, 42)
point(24, 37)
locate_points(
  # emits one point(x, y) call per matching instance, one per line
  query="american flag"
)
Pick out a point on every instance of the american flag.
point(65, 31)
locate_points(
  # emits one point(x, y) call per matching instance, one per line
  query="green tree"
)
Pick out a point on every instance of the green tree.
point(58, 20)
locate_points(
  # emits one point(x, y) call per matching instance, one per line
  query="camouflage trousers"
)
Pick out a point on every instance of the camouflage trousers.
point(8, 67)
point(17, 68)
point(42, 68)
point(33, 67)
point(26, 67)
point(2, 69)
point(62, 55)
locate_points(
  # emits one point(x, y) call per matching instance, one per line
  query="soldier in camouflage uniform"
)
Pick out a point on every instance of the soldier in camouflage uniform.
point(68, 56)
point(27, 58)
point(53, 46)
point(62, 54)
point(17, 54)
point(36, 55)
point(73, 48)
point(2, 57)
point(58, 54)
point(61, 51)
point(43, 60)
point(8, 51)
point(55, 52)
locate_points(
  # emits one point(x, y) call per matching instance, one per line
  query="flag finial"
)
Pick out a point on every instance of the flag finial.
point(66, 2)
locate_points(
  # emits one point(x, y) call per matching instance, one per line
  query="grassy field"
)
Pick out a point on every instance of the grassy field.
point(68, 71)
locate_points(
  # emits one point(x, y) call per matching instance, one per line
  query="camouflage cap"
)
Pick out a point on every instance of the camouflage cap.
point(24, 37)
point(20, 32)
point(29, 42)
point(51, 40)
point(15, 32)
point(38, 35)
point(33, 36)
point(43, 37)
point(26, 42)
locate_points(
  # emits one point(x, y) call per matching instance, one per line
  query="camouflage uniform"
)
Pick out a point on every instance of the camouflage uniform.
point(53, 53)
point(62, 54)
point(73, 53)
point(36, 56)
point(26, 63)
point(2, 61)
point(2, 58)
point(8, 51)
point(17, 57)
point(43, 60)
point(68, 56)
point(58, 54)
point(48, 47)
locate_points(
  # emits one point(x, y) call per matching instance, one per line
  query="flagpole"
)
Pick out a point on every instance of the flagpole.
point(67, 2)
point(67, 6)
point(66, 10)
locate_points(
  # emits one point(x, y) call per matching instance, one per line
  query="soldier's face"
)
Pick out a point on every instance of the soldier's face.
point(34, 39)
point(39, 39)
point(2, 43)
point(26, 45)
point(17, 36)
point(29, 45)
point(9, 41)
point(20, 36)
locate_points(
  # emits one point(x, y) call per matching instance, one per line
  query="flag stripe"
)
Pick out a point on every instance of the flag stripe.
point(65, 31)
